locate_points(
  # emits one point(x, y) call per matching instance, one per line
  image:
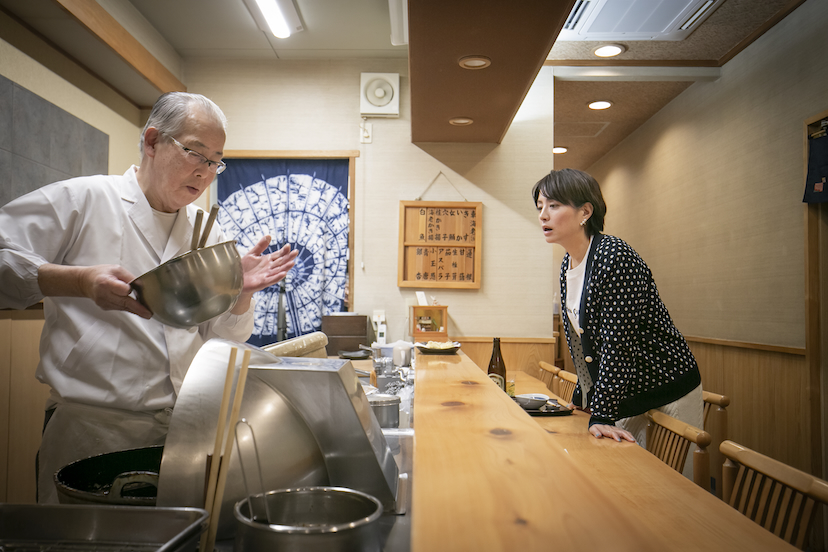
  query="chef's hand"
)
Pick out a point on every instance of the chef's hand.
point(262, 271)
point(107, 285)
point(603, 430)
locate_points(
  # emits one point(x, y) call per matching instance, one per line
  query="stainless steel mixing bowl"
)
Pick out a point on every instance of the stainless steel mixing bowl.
point(194, 287)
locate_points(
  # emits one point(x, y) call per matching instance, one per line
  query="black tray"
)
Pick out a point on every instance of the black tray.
point(550, 411)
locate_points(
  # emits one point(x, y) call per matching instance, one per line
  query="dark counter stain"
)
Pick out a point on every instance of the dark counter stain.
point(453, 403)
point(500, 431)
point(469, 382)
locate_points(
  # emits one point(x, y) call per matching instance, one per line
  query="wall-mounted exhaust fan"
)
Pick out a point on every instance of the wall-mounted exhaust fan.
point(379, 94)
point(602, 20)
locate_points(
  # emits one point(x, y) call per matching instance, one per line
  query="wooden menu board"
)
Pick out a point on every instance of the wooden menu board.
point(440, 244)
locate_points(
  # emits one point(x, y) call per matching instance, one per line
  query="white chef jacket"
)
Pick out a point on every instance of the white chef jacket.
point(113, 359)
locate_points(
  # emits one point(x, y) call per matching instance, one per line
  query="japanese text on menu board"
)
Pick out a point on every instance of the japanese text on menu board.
point(440, 244)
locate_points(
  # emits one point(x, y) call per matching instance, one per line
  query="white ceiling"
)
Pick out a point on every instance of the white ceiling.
point(177, 30)
point(225, 29)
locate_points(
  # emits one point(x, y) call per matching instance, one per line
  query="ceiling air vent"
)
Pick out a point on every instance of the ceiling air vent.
point(604, 20)
point(577, 13)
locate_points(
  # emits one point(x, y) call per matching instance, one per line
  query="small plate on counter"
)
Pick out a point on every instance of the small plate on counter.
point(438, 347)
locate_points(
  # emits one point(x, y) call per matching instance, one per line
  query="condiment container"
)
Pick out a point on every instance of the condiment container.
point(386, 408)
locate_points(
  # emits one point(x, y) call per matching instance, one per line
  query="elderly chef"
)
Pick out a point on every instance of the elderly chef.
point(113, 372)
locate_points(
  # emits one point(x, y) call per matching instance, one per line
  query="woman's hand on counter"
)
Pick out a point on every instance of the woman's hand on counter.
point(603, 430)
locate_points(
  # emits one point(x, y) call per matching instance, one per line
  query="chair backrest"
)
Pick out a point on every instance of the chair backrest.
point(547, 374)
point(780, 498)
point(566, 385)
point(669, 439)
point(713, 403)
point(715, 423)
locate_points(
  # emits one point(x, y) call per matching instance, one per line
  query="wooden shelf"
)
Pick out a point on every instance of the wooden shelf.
point(429, 323)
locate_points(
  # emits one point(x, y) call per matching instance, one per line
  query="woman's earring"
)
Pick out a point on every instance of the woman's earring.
point(583, 222)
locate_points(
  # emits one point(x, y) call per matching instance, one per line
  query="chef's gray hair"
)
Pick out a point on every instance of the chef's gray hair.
point(170, 113)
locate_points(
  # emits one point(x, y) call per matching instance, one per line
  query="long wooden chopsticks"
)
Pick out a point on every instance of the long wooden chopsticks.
point(220, 464)
point(207, 227)
point(196, 229)
point(199, 238)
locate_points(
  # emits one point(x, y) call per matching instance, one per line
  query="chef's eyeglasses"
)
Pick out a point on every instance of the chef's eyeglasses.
point(196, 158)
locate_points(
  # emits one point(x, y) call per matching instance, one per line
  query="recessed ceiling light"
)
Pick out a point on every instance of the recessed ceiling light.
point(461, 121)
point(610, 50)
point(602, 104)
point(474, 62)
point(559, 149)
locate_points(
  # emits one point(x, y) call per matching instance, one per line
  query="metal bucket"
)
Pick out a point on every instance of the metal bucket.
point(126, 477)
point(310, 519)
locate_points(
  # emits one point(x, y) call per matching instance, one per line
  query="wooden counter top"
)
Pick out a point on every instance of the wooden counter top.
point(487, 476)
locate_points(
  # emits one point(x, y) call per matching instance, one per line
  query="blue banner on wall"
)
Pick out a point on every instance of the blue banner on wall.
point(303, 203)
point(816, 183)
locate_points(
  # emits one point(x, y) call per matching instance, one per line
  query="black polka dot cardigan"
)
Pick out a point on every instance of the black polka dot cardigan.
point(636, 357)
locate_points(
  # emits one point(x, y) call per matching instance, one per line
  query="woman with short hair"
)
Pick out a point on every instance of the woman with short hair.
point(627, 352)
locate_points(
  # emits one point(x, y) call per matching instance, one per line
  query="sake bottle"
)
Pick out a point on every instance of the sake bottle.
point(497, 369)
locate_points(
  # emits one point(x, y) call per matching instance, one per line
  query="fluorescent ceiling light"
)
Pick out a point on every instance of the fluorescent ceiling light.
point(275, 20)
point(398, 10)
point(278, 17)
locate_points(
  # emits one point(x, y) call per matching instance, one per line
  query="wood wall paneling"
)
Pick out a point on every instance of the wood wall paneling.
point(518, 353)
point(768, 411)
point(5, 414)
point(27, 399)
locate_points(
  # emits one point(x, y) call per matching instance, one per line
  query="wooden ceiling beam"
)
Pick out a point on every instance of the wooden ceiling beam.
point(106, 28)
point(517, 36)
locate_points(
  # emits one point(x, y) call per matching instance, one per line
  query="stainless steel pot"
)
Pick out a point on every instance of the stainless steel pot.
point(310, 519)
point(194, 287)
point(126, 477)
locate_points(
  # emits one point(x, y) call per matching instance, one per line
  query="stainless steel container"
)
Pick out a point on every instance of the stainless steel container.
point(386, 408)
point(290, 403)
point(194, 287)
point(127, 477)
point(310, 519)
point(26, 527)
